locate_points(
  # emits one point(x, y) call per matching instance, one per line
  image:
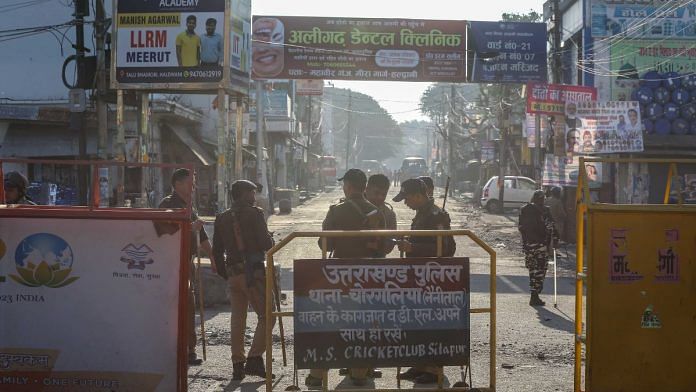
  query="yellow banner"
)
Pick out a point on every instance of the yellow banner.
point(149, 20)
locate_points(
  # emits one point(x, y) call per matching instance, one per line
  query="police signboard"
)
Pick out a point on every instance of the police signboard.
point(381, 312)
point(508, 52)
point(180, 44)
point(89, 304)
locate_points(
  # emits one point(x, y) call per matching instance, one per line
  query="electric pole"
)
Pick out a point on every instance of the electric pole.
point(450, 139)
point(100, 32)
point(557, 16)
point(348, 126)
point(503, 124)
point(81, 10)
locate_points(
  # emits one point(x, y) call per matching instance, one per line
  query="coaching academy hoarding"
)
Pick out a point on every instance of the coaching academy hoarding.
point(291, 47)
point(182, 44)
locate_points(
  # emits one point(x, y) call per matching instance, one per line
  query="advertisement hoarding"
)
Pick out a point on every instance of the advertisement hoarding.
point(86, 317)
point(508, 52)
point(294, 47)
point(170, 45)
point(550, 99)
point(564, 171)
point(644, 18)
point(313, 87)
point(381, 312)
point(603, 127)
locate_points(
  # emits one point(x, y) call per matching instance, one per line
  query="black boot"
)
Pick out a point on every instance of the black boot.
point(238, 371)
point(254, 367)
point(535, 300)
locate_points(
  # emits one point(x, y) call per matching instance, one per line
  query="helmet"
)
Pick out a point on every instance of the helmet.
point(15, 179)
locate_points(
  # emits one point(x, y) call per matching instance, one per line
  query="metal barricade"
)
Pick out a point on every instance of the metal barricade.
point(324, 235)
point(647, 302)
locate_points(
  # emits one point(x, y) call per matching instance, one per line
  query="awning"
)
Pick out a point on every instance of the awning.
point(195, 147)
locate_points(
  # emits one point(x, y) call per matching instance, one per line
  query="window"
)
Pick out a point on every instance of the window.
point(509, 184)
point(526, 184)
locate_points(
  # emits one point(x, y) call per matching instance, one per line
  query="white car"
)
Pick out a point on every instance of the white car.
point(518, 192)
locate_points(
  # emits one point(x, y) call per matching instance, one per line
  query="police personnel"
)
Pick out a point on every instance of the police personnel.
point(429, 185)
point(16, 189)
point(428, 217)
point(182, 190)
point(376, 193)
point(352, 213)
point(240, 241)
point(538, 233)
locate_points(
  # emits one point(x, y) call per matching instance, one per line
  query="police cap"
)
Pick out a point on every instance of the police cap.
point(538, 195)
point(356, 177)
point(241, 186)
point(409, 187)
point(16, 180)
point(428, 181)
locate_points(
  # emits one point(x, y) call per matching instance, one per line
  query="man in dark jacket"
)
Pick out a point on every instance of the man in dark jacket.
point(352, 213)
point(240, 241)
point(538, 233)
point(182, 182)
point(428, 217)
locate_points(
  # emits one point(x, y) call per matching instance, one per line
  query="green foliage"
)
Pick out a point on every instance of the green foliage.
point(374, 132)
point(531, 16)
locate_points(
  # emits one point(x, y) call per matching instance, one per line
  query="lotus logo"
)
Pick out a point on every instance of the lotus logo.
point(137, 256)
point(44, 259)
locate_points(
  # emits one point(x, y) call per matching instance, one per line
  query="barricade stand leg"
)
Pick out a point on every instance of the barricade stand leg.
point(398, 379)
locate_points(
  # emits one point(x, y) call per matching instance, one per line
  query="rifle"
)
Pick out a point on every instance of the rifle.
point(444, 202)
point(199, 280)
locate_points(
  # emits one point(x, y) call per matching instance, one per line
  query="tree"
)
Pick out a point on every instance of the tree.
point(373, 132)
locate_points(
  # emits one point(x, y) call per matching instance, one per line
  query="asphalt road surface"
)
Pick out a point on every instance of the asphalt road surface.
point(534, 345)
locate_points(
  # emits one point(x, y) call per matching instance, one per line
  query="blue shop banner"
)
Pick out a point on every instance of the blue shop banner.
point(508, 52)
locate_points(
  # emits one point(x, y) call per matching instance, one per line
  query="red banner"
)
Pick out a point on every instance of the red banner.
point(550, 99)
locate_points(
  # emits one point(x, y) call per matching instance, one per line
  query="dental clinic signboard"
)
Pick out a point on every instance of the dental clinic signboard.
point(90, 305)
point(292, 47)
point(182, 44)
point(508, 52)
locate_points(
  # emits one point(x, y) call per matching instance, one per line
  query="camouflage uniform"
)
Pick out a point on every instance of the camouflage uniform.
point(538, 233)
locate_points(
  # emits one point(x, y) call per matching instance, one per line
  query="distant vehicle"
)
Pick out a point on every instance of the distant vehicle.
point(328, 169)
point(413, 167)
point(371, 167)
point(518, 192)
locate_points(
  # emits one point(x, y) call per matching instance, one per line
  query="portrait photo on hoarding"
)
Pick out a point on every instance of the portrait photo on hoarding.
point(188, 44)
point(572, 141)
point(267, 58)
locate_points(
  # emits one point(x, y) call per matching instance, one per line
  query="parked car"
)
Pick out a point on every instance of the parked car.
point(413, 167)
point(370, 167)
point(518, 192)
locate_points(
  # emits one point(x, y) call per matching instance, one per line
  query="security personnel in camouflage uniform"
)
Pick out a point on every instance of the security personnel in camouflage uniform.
point(352, 213)
point(240, 241)
point(182, 191)
point(538, 233)
point(15, 185)
point(428, 217)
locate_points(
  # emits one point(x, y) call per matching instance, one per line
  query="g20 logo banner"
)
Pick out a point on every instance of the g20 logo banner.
point(44, 259)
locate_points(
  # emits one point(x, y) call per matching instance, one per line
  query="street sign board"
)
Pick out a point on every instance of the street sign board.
point(550, 99)
point(381, 312)
point(340, 48)
point(309, 87)
point(507, 52)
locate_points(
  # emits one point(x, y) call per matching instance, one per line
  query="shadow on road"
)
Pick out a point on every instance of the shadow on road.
point(554, 320)
point(519, 284)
